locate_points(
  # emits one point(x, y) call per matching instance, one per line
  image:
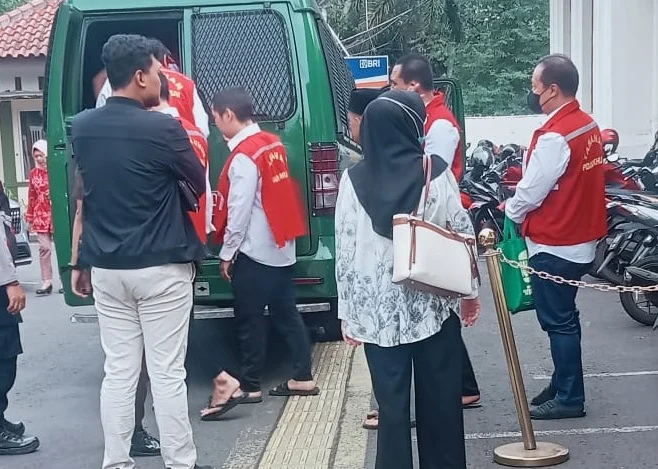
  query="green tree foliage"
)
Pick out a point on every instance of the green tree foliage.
point(8, 5)
point(396, 27)
point(490, 46)
point(503, 41)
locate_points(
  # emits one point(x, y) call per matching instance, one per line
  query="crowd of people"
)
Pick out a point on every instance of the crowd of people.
point(135, 250)
point(412, 338)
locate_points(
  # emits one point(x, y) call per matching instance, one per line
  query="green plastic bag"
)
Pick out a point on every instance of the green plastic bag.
point(516, 283)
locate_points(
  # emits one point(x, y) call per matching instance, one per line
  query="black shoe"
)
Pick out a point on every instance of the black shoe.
point(547, 394)
point(144, 445)
point(17, 429)
point(204, 467)
point(13, 445)
point(554, 410)
point(44, 291)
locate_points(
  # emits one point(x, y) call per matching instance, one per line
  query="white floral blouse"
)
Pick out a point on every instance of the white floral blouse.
point(376, 310)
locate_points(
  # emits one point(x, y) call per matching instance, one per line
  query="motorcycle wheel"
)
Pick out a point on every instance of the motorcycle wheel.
point(609, 273)
point(632, 302)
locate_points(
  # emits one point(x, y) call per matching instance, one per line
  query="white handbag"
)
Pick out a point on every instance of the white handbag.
point(430, 258)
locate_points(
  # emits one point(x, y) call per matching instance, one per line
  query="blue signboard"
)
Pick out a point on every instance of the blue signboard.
point(369, 72)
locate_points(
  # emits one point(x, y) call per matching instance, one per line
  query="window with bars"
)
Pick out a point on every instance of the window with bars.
point(249, 49)
point(340, 77)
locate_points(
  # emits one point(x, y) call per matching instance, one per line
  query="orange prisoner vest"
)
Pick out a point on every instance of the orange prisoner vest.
point(200, 146)
point(436, 110)
point(281, 199)
point(574, 212)
point(181, 93)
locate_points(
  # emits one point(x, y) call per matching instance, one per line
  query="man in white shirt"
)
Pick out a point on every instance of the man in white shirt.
point(258, 251)
point(443, 138)
point(560, 202)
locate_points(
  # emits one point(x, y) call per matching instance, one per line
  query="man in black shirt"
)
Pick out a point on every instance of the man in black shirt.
point(141, 245)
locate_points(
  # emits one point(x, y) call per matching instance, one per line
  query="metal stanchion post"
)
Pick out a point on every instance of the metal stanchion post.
point(529, 453)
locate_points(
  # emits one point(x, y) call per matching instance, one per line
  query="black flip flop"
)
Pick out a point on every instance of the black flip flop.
point(472, 405)
point(282, 390)
point(252, 399)
point(232, 403)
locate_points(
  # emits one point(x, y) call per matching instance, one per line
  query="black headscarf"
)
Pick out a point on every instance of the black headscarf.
point(360, 98)
point(389, 180)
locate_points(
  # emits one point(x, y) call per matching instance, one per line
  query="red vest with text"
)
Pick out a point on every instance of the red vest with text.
point(181, 93)
point(200, 146)
point(437, 110)
point(574, 211)
point(280, 196)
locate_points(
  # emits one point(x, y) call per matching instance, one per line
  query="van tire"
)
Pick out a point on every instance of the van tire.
point(324, 326)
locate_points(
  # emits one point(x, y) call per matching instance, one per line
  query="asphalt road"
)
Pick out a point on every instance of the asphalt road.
point(620, 430)
point(59, 377)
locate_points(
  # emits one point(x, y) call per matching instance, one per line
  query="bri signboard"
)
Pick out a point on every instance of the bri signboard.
point(369, 72)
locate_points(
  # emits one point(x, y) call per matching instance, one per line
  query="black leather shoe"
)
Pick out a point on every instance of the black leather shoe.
point(546, 395)
point(553, 410)
point(144, 445)
point(13, 445)
point(44, 291)
point(15, 428)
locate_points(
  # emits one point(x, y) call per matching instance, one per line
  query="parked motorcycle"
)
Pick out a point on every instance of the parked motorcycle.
point(642, 307)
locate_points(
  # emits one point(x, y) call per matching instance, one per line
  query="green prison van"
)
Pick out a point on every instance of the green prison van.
point(291, 62)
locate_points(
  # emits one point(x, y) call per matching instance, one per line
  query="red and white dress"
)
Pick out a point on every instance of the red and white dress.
point(39, 212)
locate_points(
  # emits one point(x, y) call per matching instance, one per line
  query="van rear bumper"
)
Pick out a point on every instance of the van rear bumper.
point(211, 312)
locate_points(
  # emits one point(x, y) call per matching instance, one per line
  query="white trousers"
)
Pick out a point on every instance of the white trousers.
point(145, 310)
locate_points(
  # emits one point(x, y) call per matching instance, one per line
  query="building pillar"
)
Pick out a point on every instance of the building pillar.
point(560, 24)
point(581, 48)
point(602, 64)
point(8, 150)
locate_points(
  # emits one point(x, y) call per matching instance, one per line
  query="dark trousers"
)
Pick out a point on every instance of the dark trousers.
point(7, 379)
point(437, 366)
point(10, 348)
point(558, 316)
point(254, 287)
point(469, 382)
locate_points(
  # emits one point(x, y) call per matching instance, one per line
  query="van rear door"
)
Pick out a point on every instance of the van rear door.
point(251, 46)
point(61, 101)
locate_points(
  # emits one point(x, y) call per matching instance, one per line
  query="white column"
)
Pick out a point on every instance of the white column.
point(560, 26)
point(602, 63)
point(654, 60)
point(581, 48)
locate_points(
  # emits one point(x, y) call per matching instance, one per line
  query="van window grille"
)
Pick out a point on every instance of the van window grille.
point(340, 76)
point(249, 49)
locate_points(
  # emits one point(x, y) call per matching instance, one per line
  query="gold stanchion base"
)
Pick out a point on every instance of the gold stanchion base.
point(546, 454)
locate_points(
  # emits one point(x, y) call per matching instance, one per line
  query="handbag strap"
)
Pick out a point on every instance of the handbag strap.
point(427, 171)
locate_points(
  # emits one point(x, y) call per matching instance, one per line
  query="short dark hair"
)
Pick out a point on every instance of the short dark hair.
point(558, 69)
point(160, 51)
point(237, 100)
point(415, 67)
point(164, 88)
point(125, 54)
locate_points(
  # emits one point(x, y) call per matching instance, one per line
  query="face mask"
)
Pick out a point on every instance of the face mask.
point(534, 102)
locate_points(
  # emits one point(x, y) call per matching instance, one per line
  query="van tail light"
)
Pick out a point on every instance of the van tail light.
point(325, 172)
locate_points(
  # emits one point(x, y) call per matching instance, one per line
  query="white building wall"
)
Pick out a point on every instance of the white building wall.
point(28, 69)
point(615, 47)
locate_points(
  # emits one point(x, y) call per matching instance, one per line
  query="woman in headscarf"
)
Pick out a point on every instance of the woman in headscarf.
point(39, 215)
point(401, 328)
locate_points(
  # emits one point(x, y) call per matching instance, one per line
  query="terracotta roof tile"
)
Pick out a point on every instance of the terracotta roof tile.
point(24, 32)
